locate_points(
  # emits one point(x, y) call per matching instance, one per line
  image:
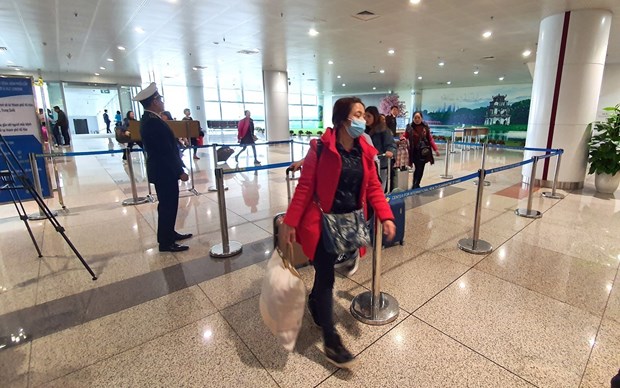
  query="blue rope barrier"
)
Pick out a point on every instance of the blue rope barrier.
point(243, 145)
point(508, 167)
point(257, 168)
point(410, 193)
point(84, 153)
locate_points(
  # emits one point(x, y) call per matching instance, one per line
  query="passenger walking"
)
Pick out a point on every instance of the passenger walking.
point(420, 143)
point(245, 135)
point(164, 168)
point(61, 127)
point(339, 178)
point(382, 140)
point(107, 121)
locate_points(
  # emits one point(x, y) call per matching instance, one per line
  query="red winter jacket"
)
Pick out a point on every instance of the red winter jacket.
point(304, 214)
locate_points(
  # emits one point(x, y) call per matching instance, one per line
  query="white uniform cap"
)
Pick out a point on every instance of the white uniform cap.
point(146, 92)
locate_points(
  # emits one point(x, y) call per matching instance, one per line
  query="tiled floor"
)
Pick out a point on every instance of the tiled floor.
point(542, 309)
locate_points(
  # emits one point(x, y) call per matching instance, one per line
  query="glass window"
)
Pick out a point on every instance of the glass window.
point(211, 94)
point(294, 112)
point(294, 99)
point(253, 96)
point(311, 112)
point(232, 111)
point(230, 95)
point(308, 99)
point(295, 124)
point(212, 111)
point(257, 111)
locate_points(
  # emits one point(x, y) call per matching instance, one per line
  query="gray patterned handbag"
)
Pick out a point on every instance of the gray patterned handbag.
point(344, 232)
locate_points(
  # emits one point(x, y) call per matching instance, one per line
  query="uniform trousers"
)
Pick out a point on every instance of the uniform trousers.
point(168, 196)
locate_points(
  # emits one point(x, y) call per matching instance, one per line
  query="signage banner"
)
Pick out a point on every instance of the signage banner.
point(20, 127)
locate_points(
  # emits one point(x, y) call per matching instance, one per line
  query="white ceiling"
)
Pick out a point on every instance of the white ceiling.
point(63, 37)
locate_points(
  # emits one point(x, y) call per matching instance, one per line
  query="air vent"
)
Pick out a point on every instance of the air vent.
point(248, 52)
point(14, 66)
point(365, 16)
point(489, 58)
point(372, 72)
point(197, 67)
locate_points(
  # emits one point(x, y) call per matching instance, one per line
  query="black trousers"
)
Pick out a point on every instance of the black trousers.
point(65, 135)
point(168, 196)
point(56, 133)
point(417, 173)
point(107, 128)
point(322, 291)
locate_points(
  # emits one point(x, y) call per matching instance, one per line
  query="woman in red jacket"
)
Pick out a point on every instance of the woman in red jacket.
point(342, 177)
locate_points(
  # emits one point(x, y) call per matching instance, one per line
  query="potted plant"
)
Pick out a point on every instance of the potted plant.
point(604, 153)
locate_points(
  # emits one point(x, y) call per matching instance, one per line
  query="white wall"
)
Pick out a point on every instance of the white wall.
point(610, 90)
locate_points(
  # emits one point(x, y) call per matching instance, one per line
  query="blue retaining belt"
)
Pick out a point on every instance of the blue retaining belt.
point(410, 193)
point(256, 168)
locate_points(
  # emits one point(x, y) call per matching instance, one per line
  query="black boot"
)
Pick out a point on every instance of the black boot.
point(336, 353)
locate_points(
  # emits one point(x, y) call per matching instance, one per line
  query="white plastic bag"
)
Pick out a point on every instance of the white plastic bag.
point(282, 300)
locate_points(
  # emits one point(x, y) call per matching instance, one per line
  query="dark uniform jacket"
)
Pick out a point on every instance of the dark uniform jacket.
point(62, 121)
point(163, 161)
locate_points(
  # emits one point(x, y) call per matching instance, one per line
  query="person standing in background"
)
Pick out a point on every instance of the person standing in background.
point(106, 120)
point(118, 119)
point(62, 126)
point(164, 167)
point(390, 120)
point(187, 115)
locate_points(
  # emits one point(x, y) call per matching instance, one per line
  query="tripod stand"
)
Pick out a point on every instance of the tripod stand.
point(14, 178)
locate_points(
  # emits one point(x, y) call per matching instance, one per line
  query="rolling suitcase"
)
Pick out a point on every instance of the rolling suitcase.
point(223, 153)
point(299, 259)
point(398, 208)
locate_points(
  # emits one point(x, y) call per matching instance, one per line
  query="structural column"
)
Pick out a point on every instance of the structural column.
point(567, 82)
point(196, 100)
point(275, 86)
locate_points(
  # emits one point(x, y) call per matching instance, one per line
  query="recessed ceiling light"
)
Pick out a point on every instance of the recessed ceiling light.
point(313, 32)
point(476, 72)
point(3, 49)
point(449, 82)
point(96, 73)
point(10, 62)
point(110, 60)
point(344, 84)
point(194, 68)
point(330, 62)
point(120, 48)
point(139, 30)
point(18, 69)
point(374, 88)
point(415, 2)
point(338, 77)
point(381, 71)
point(487, 34)
point(501, 78)
point(419, 77)
point(526, 53)
point(441, 63)
point(101, 68)
point(391, 51)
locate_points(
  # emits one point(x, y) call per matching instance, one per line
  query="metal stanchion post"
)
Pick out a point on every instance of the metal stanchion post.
point(292, 150)
point(529, 213)
point(226, 248)
point(388, 179)
point(37, 186)
point(375, 307)
point(134, 200)
point(553, 194)
point(452, 150)
point(446, 175)
point(214, 187)
point(475, 245)
point(61, 199)
point(484, 158)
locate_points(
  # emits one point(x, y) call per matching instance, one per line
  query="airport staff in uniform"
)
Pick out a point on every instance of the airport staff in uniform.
point(163, 167)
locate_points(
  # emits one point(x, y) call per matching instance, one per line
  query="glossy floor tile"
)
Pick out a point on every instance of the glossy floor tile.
point(541, 309)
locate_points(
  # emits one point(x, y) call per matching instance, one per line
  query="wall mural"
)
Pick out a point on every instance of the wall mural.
point(504, 109)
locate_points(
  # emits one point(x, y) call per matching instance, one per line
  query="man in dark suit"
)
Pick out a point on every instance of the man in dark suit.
point(106, 120)
point(63, 123)
point(390, 120)
point(164, 167)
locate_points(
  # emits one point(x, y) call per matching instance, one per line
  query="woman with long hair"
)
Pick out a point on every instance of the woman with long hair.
point(420, 143)
point(382, 140)
point(339, 177)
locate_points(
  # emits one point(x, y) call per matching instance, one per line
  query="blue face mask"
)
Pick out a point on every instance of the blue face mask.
point(357, 128)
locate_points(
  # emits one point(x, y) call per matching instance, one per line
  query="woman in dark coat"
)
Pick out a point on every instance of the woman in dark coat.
point(382, 140)
point(420, 143)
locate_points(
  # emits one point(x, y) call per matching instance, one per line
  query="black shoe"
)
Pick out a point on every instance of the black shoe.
point(336, 353)
point(257, 163)
point(173, 248)
point(313, 312)
point(179, 236)
point(236, 158)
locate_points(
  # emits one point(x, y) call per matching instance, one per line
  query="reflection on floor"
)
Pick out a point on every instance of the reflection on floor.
point(543, 309)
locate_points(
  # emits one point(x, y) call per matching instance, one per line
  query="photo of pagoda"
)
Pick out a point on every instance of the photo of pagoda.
point(498, 111)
